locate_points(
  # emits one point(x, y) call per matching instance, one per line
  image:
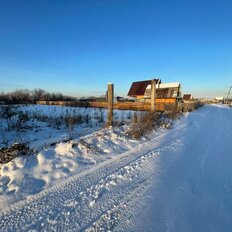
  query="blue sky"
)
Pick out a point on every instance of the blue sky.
point(77, 47)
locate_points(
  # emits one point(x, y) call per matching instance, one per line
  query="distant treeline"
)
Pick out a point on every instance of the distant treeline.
point(23, 96)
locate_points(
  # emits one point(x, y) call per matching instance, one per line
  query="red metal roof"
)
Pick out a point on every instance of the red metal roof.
point(139, 87)
point(187, 97)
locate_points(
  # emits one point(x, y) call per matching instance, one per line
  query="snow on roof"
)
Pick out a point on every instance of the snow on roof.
point(165, 85)
point(169, 85)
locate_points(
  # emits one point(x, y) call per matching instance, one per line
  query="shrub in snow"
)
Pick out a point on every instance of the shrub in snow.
point(7, 154)
point(145, 124)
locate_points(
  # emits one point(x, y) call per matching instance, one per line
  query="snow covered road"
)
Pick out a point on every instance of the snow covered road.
point(195, 192)
point(181, 180)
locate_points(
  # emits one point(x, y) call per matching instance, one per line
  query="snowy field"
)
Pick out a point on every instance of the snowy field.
point(40, 125)
point(57, 152)
point(173, 180)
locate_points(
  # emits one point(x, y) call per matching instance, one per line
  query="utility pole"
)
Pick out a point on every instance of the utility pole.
point(228, 95)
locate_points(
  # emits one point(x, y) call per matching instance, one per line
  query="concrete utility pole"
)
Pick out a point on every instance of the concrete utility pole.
point(153, 94)
point(228, 95)
point(110, 99)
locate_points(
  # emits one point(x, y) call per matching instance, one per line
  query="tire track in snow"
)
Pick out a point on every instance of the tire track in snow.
point(85, 200)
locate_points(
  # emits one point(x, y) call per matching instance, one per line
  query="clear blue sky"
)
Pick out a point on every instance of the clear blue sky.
point(77, 47)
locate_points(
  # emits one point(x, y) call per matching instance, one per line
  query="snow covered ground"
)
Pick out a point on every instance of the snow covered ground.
point(175, 180)
point(56, 156)
point(41, 125)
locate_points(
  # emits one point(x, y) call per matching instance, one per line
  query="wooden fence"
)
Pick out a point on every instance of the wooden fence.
point(141, 106)
point(160, 104)
point(138, 106)
point(155, 104)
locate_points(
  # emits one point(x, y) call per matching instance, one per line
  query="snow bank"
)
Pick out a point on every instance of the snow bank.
point(28, 175)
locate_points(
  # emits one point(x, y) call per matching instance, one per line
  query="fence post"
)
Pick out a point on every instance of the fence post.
point(153, 94)
point(110, 99)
